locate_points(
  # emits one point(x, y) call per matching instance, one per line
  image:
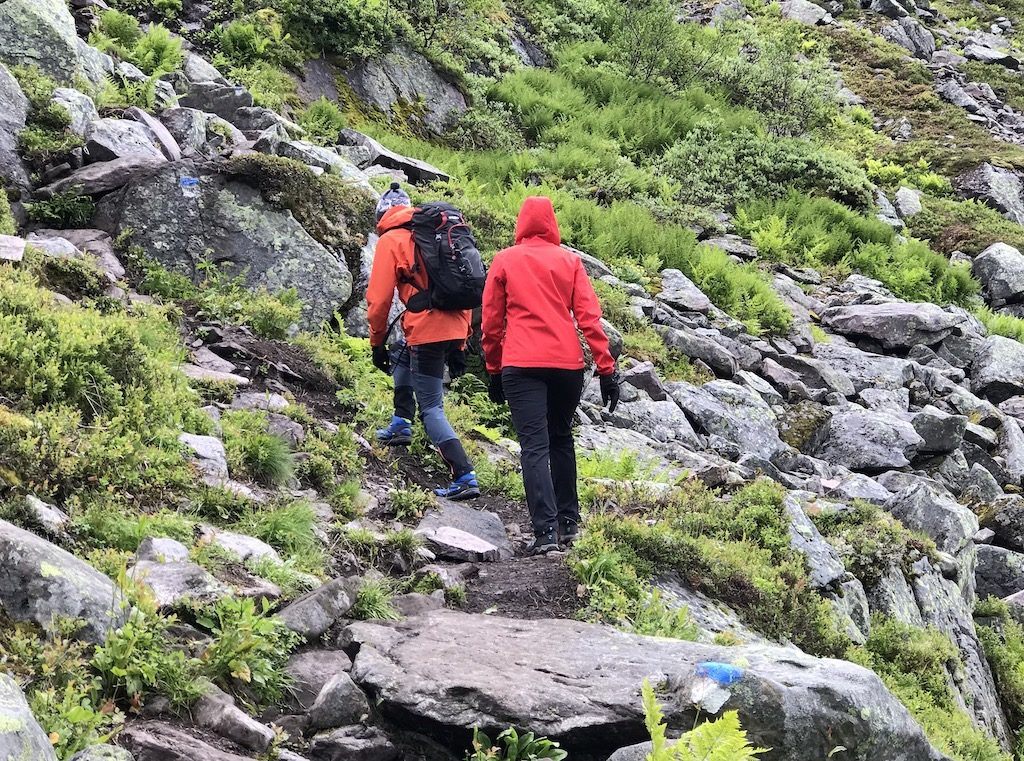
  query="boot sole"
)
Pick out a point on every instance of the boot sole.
point(545, 549)
point(462, 495)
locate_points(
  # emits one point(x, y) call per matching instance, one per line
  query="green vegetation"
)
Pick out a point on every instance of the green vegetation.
point(65, 209)
point(1003, 640)
point(915, 665)
point(46, 136)
point(870, 541)
point(249, 649)
point(814, 231)
point(323, 120)
point(7, 224)
point(1001, 324)
point(373, 602)
point(736, 550)
point(720, 740)
point(154, 50)
point(511, 746)
point(252, 449)
point(411, 504)
point(969, 226)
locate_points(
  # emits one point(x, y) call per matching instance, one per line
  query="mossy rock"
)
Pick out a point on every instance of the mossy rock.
point(802, 425)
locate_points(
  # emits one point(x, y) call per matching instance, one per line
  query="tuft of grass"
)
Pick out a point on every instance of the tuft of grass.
point(373, 602)
point(263, 456)
point(411, 504)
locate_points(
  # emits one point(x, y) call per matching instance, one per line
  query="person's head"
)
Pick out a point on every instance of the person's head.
point(393, 196)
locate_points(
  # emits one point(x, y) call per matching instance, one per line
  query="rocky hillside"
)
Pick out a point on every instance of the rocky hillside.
point(804, 524)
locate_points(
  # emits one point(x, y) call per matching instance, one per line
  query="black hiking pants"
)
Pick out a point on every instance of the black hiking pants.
point(542, 402)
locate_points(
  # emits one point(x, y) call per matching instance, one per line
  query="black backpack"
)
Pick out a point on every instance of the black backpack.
point(447, 252)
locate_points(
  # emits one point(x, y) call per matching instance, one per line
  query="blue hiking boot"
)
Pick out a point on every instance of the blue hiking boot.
point(463, 487)
point(399, 433)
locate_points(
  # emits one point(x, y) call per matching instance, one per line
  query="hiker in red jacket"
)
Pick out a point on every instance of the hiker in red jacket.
point(537, 294)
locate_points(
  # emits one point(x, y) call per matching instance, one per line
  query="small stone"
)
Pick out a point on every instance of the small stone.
point(339, 703)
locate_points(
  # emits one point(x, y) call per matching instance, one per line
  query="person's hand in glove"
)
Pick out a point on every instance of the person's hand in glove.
point(382, 359)
point(495, 390)
point(610, 391)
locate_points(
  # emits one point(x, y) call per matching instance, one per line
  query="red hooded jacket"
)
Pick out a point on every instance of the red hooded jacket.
point(536, 294)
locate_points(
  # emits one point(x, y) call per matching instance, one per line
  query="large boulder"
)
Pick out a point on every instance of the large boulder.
point(42, 33)
point(579, 684)
point(999, 573)
point(215, 98)
point(183, 216)
point(416, 170)
point(40, 582)
point(157, 741)
point(805, 12)
point(869, 441)
point(895, 326)
point(109, 139)
point(863, 369)
point(403, 77)
point(912, 35)
point(935, 514)
point(13, 111)
point(999, 369)
point(998, 187)
point(21, 737)
point(457, 532)
point(734, 412)
point(679, 292)
point(692, 344)
point(104, 177)
point(1000, 268)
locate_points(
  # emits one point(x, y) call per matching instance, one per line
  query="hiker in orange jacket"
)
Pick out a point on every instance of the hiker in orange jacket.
point(430, 336)
point(536, 296)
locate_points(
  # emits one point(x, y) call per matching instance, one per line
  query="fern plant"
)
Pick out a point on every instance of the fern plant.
point(511, 746)
point(720, 740)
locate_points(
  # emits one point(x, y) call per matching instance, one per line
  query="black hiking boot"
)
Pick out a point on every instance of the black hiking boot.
point(544, 543)
point(568, 534)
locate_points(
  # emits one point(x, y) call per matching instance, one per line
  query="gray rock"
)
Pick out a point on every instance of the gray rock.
point(980, 487)
point(733, 245)
point(1011, 450)
point(998, 187)
point(938, 516)
point(886, 211)
point(217, 712)
point(96, 243)
point(912, 35)
point(999, 573)
point(418, 172)
point(805, 12)
point(40, 582)
point(403, 75)
point(513, 669)
point(975, 52)
point(733, 412)
point(13, 112)
point(42, 33)
point(679, 292)
point(941, 431)
point(999, 370)
point(864, 369)
point(21, 737)
point(51, 518)
point(644, 377)
point(457, 532)
point(255, 400)
point(109, 139)
point(157, 132)
point(339, 703)
point(984, 412)
point(12, 248)
point(209, 457)
point(99, 179)
point(198, 69)
point(897, 325)
point(885, 400)
point(859, 486)
point(870, 441)
point(309, 671)
point(824, 565)
point(817, 374)
point(908, 200)
point(215, 98)
point(157, 741)
point(103, 753)
point(662, 421)
point(894, 8)
point(80, 108)
point(161, 549)
point(353, 744)
point(188, 128)
point(243, 547)
point(179, 214)
point(172, 583)
point(893, 597)
point(1000, 268)
point(691, 344)
point(315, 612)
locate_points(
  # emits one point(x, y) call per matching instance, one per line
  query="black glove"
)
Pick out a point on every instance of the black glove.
point(456, 363)
point(382, 359)
point(495, 390)
point(610, 391)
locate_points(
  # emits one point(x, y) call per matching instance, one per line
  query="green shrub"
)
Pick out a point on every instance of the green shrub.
point(91, 401)
point(67, 209)
point(373, 602)
point(249, 648)
point(915, 665)
point(116, 31)
point(1004, 648)
point(270, 85)
point(511, 746)
point(251, 449)
point(323, 121)
point(7, 224)
point(137, 660)
point(46, 136)
point(411, 504)
point(345, 27)
point(720, 740)
point(1001, 324)
point(157, 51)
point(816, 231)
point(970, 226)
point(63, 692)
point(253, 39)
point(108, 524)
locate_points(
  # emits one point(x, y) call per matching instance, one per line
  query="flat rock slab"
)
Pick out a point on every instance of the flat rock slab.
point(174, 582)
point(12, 248)
point(462, 533)
point(446, 672)
point(157, 741)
